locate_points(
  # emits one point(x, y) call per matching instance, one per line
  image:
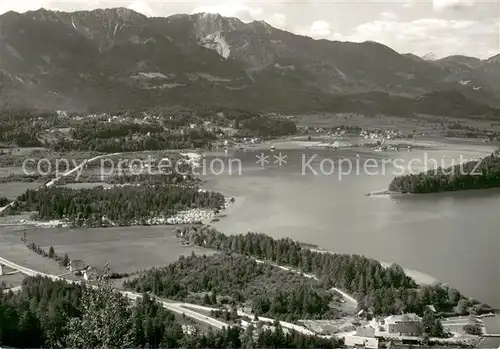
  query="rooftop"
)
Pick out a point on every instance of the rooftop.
point(402, 318)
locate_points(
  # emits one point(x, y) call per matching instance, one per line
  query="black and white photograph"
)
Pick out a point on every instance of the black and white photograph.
point(254, 174)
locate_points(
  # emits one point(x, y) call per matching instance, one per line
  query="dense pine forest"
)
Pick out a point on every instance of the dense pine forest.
point(19, 126)
point(154, 179)
point(112, 137)
point(481, 174)
point(54, 314)
point(265, 127)
point(267, 290)
point(120, 205)
point(381, 290)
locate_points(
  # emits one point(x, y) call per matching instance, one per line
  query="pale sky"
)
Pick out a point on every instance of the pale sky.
point(443, 27)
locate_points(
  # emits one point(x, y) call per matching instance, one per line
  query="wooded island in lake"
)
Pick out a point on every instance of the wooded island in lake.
point(480, 174)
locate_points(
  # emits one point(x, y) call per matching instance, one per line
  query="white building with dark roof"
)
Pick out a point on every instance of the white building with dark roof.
point(404, 325)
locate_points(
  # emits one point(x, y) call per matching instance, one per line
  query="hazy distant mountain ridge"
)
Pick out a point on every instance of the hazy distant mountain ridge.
point(118, 56)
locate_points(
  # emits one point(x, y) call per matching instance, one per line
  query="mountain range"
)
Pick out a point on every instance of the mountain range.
point(118, 58)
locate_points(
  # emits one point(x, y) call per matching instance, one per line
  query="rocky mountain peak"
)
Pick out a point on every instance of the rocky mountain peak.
point(209, 23)
point(429, 57)
point(121, 13)
point(124, 53)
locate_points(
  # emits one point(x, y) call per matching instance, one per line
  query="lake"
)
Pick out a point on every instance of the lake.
point(453, 237)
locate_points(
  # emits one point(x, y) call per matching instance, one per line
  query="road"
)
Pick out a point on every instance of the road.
point(67, 173)
point(345, 295)
point(283, 324)
point(30, 272)
point(311, 276)
point(176, 307)
point(172, 306)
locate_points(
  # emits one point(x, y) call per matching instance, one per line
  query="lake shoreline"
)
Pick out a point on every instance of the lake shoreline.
point(420, 278)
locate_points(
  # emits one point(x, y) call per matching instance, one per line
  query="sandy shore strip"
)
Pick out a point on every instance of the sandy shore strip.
point(420, 278)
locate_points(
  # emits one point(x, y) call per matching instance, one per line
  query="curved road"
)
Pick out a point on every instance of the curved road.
point(176, 307)
point(172, 306)
point(311, 276)
point(283, 324)
point(67, 173)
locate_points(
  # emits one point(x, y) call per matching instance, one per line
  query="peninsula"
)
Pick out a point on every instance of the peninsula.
point(480, 174)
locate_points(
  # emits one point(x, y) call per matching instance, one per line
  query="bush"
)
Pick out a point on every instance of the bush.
point(473, 329)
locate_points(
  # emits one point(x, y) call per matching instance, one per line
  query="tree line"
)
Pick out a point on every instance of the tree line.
point(55, 314)
point(481, 174)
point(263, 126)
point(153, 179)
point(381, 290)
point(120, 205)
point(62, 260)
point(237, 280)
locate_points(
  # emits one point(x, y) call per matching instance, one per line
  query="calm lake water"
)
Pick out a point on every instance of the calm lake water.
point(454, 237)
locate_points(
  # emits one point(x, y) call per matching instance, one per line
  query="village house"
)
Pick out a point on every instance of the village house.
point(404, 325)
point(364, 337)
point(76, 265)
point(357, 341)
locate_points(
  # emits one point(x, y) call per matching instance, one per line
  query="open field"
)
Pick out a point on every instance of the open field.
point(7, 171)
point(14, 250)
point(127, 249)
point(329, 326)
point(14, 189)
point(13, 280)
point(492, 324)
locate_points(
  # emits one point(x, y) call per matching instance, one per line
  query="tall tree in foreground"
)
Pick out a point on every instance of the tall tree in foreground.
point(104, 322)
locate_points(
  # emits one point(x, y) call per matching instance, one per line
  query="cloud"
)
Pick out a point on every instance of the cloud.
point(277, 20)
point(22, 5)
point(440, 5)
point(318, 30)
point(442, 37)
point(141, 6)
point(408, 4)
point(389, 15)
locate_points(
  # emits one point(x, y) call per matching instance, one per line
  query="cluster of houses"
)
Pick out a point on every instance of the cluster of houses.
point(379, 134)
point(398, 327)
